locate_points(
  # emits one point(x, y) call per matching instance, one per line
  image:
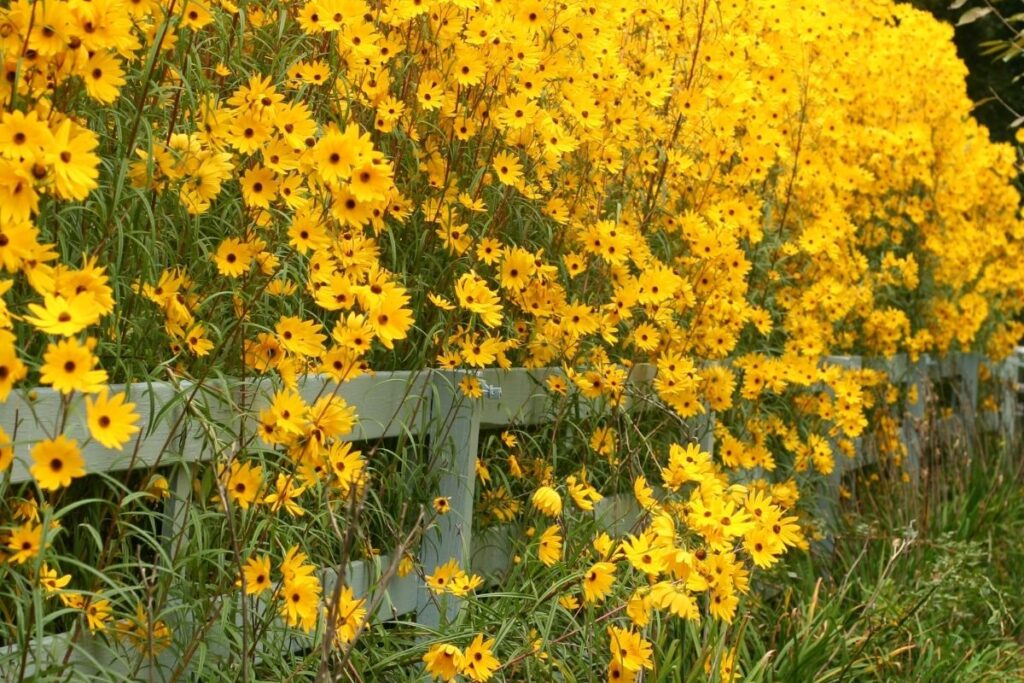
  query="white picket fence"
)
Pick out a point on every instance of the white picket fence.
point(425, 404)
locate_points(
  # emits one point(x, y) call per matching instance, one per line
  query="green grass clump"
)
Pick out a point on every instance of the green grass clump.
point(917, 587)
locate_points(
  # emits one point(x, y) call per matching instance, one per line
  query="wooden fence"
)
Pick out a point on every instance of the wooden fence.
point(425, 404)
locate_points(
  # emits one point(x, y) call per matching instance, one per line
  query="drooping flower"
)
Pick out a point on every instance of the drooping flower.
point(547, 501)
point(443, 661)
point(549, 550)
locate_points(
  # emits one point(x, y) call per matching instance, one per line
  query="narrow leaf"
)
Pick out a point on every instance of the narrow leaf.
point(972, 15)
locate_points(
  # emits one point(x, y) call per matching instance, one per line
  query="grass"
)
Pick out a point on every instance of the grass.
point(921, 586)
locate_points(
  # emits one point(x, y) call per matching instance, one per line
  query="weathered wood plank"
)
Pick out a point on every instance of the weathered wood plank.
point(454, 438)
point(31, 416)
point(524, 398)
point(387, 404)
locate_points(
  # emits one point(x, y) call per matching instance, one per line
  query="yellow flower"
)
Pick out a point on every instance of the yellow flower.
point(347, 465)
point(233, 257)
point(440, 302)
point(508, 168)
point(617, 673)
point(763, 546)
point(488, 250)
point(517, 267)
point(97, 614)
point(603, 441)
point(111, 420)
point(630, 648)
point(646, 337)
point(557, 385)
point(256, 575)
point(196, 341)
point(549, 550)
point(336, 152)
point(157, 487)
point(723, 603)
point(583, 494)
point(75, 166)
point(300, 598)
point(12, 370)
point(479, 662)
point(638, 607)
point(286, 491)
point(350, 615)
point(294, 565)
point(259, 186)
point(676, 598)
point(465, 584)
point(371, 181)
point(6, 451)
point(103, 76)
point(643, 556)
point(68, 366)
point(547, 501)
point(476, 297)
point(598, 581)
point(23, 135)
point(390, 319)
point(24, 543)
point(569, 602)
point(470, 387)
point(66, 317)
point(143, 632)
point(644, 494)
point(302, 337)
point(728, 672)
point(27, 509)
point(51, 580)
point(56, 462)
point(430, 93)
point(444, 575)
point(242, 483)
point(603, 545)
point(443, 661)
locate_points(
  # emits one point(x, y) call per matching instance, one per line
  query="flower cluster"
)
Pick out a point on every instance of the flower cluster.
point(720, 194)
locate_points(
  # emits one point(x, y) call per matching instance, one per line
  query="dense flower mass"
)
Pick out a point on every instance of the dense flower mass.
point(727, 193)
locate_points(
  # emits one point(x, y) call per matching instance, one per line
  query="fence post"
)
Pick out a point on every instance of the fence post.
point(707, 432)
point(968, 365)
point(915, 375)
point(179, 499)
point(1009, 403)
point(828, 505)
point(454, 437)
point(190, 444)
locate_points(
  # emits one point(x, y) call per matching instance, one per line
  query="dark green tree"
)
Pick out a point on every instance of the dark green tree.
point(985, 30)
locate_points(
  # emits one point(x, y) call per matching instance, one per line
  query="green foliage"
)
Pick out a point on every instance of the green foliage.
point(931, 598)
point(989, 36)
